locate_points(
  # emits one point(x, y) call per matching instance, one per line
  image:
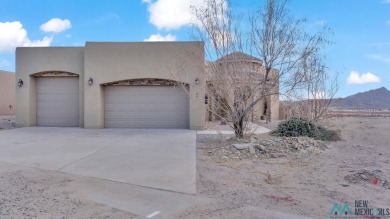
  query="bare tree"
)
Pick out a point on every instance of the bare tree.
point(229, 78)
point(279, 40)
point(282, 43)
point(315, 95)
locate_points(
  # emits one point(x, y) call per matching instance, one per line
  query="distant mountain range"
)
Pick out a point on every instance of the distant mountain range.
point(372, 99)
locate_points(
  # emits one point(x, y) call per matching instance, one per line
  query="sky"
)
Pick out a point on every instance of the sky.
point(360, 52)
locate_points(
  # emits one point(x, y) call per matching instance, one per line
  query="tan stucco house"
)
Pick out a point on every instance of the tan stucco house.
point(7, 93)
point(248, 70)
point(111, 85)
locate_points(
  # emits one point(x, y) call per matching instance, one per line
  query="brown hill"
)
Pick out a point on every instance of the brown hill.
point(372, 99)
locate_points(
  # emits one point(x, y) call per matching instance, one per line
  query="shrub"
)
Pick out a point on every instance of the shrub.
point(297, 126)
point(325, 134)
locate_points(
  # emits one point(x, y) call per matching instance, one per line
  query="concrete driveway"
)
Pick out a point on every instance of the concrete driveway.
point(161, 159)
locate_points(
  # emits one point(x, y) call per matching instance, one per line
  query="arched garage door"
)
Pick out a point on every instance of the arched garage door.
point(58, 101)
point(146, 107)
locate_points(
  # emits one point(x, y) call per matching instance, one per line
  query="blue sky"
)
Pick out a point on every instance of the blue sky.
point(361, 28)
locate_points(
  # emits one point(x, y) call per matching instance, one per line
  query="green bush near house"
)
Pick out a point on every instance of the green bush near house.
point(298, 126)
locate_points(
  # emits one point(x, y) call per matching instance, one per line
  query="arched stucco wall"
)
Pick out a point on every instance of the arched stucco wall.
point(178, 61)
point(32, 60)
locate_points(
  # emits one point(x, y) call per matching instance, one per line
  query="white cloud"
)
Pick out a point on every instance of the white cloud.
point(380, 58)
point(4, 63)
point(169, 14)
point(386, 1)
point(355, 78)
point(56, 25)
point(158, 37)
point(319, 23)
point(172, 14)
point(12, 35)
point(46, 41)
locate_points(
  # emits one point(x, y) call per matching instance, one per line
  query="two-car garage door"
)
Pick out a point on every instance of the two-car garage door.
point(146, 107)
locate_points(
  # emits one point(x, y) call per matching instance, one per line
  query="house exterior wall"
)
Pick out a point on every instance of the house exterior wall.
point(275, 107)
point(32, 60)
point(106, 63)
point(110, 62)
point(7, 92)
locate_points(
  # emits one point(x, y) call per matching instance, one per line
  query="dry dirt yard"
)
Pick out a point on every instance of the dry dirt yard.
point(34, 193)
point(305, 184)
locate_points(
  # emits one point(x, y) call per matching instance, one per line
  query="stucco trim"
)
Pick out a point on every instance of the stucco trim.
point(55, 74)
point(146, 82)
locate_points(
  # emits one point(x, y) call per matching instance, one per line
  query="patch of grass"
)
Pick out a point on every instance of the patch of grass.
point(298, 126)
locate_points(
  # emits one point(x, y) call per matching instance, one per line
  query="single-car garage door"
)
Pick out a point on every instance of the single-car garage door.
point(146, 107)
point(58, 101)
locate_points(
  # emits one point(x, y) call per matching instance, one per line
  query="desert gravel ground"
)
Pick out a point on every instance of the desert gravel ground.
point(7, 122)
point(33, 193)
point(306, 185)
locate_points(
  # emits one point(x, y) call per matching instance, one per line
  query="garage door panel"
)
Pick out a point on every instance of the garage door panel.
point(61, 85)
point(64, 98)
point(120, 123)
point(58, 101)
point(64, 103)
point(53, 122)
point(53, 96)
point(162, 105)
point(59, 89)
point(161, 114)
point(162, 124)
point(146, 123)
point(146, 115)
point(119, 106)
point(176, 107)
point(120, 114)
point(146, 98)
point(49, 112)
point(118, 99)
point(146, 107)
point(167, 98)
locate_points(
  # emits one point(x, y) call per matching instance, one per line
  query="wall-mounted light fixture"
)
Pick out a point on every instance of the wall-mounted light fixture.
point(197, 81)
point(20, 83)
point(90, 81)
